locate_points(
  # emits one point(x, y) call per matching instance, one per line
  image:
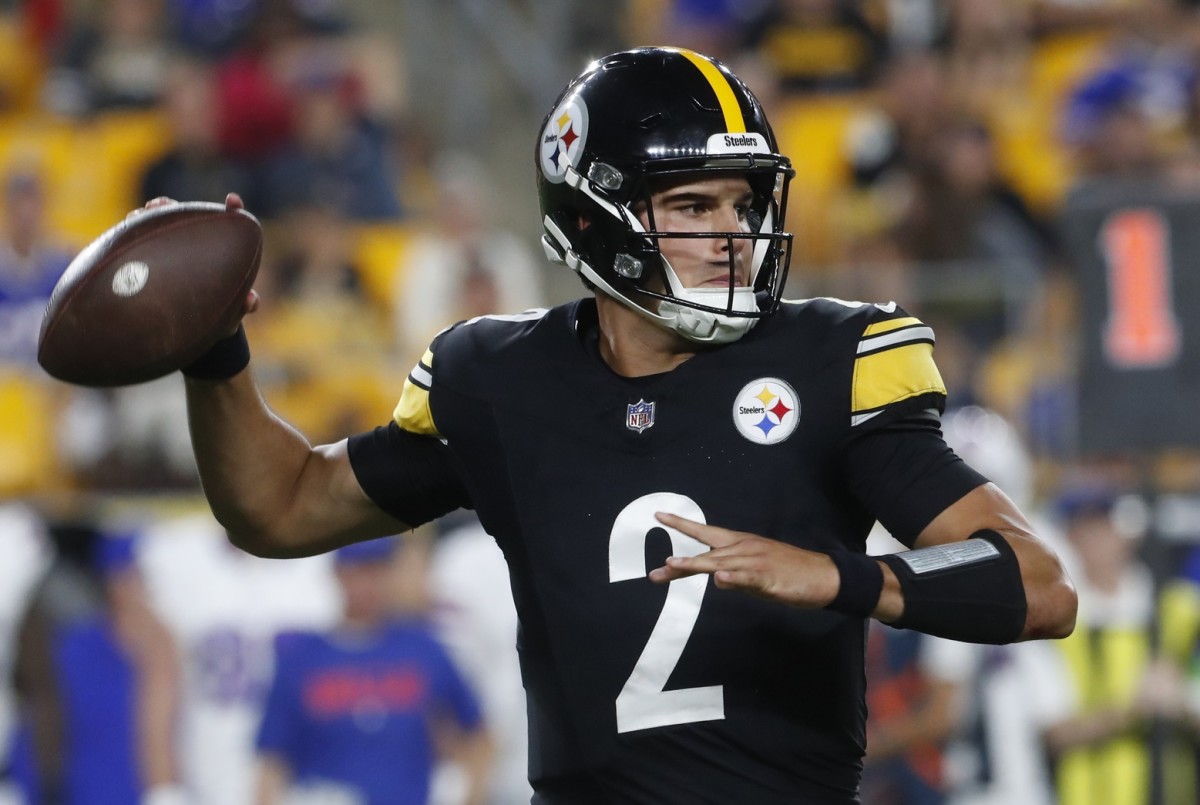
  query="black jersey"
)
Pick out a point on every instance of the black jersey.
point(685, 693)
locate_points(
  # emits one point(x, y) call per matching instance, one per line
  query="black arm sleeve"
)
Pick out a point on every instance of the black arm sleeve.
point(906, 474)
point(413, 478)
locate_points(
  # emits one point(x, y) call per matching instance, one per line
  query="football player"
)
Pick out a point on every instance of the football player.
point(681, 469)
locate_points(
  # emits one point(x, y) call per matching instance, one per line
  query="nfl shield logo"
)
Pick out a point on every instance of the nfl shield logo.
point(639, 415)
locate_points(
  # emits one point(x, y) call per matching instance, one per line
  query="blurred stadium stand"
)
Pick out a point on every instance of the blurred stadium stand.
point(476, 76)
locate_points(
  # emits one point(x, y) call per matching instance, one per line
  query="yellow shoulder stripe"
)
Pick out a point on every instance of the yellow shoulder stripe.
point(892, 324)
point(413, 412)
point(887, 377)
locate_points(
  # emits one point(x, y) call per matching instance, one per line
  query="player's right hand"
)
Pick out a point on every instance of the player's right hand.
point(233, 201)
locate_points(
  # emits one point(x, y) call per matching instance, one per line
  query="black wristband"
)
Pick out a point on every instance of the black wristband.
point(224, 359)
point(970, 591)
point(861, 584)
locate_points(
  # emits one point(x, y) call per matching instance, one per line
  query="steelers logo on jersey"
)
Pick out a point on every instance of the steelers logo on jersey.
point(766, 411)
point(563, 139)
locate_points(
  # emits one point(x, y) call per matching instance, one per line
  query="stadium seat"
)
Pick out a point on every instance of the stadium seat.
point(21, 67)
point(27, 452)
point(812, 131)
point(130, 141)
point(1057, 62)
point(1031, 152)
point(71, 170)
point(379, 255)
point(92, 169)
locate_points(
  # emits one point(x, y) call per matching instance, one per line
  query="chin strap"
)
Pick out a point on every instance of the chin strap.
point(703, 325)
point(707, 327)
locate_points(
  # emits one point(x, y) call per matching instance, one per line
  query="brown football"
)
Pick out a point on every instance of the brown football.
point(150, 295)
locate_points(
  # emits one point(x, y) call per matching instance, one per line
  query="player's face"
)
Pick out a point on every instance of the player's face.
point(698, 203)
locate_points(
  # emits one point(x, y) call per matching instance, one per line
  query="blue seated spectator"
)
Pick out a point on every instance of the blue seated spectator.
point(365, 712)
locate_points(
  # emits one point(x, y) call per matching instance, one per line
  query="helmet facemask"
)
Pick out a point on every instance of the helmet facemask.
point(640, 275)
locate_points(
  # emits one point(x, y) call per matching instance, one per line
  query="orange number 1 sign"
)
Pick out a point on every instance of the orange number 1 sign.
point(1142, 331)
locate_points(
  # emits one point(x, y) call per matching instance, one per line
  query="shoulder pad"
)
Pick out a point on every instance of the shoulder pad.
point(474, 338)
point(893, 363)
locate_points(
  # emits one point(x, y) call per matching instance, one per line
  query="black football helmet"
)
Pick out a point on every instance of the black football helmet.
point(636, 118)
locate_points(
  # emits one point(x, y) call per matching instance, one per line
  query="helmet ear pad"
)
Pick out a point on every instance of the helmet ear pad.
point(611, 245)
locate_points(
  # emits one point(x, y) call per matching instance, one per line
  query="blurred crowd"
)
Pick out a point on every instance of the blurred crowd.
point(945, 150)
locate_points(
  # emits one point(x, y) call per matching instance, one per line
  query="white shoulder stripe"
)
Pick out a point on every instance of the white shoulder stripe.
point(528, 315)
point(421, 376)
point(886, 307)
point(858, 419)
point(891, 339)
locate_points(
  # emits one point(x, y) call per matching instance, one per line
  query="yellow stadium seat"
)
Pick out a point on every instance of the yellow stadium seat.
point(812, 132)
point(21, 67)
point(379, 251)
point(92, 170)
point(334, 397)
point(26, 435)
point(1030, 150)
point(130, 141)
point(1030, 154)
point(1059, 61)
point(72, 172)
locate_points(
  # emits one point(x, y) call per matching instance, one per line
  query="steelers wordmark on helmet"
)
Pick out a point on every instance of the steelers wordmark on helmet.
point(766, 410)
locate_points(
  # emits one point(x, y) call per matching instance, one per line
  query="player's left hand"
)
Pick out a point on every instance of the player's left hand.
point(763, 567)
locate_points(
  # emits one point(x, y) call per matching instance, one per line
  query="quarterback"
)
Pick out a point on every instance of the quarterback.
point(681, 468)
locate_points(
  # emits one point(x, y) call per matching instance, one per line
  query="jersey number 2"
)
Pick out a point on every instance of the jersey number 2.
point(643, 702)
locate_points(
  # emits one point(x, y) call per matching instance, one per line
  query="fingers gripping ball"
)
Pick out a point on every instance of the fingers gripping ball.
point(150, 295)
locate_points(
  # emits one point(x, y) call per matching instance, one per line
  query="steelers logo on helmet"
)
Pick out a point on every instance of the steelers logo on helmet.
point(563, 138)
point(766, 411)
